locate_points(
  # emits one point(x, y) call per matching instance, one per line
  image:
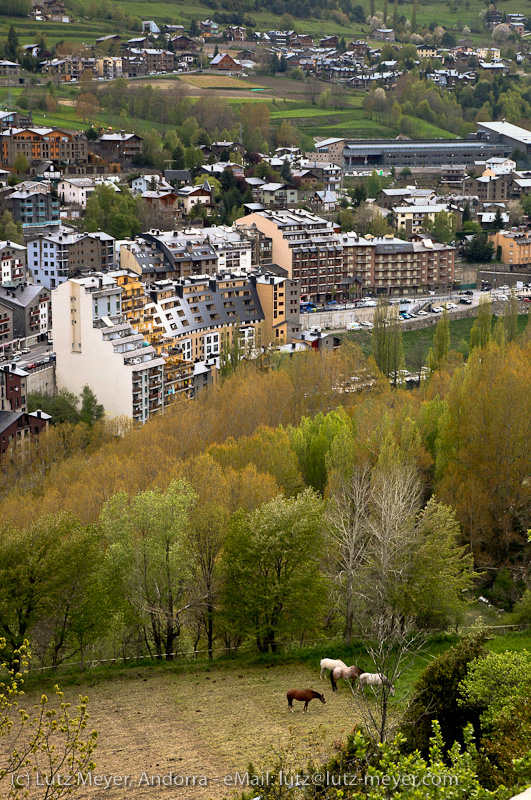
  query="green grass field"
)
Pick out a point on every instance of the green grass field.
point(421, 340)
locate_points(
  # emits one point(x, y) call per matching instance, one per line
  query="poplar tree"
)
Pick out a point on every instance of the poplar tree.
point(441, 343)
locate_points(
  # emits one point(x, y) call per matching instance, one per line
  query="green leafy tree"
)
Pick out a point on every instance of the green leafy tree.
point(510, 318)
point(481, 331)
point(479, 248)
point(312, 440)
point(272, 580)
point(436, 695)
point(21, 164)
point(91, 411)
point(443, 228)
point(62, 408)
point(148, 559)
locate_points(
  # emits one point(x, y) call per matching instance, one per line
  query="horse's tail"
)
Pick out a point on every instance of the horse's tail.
point(332, 681)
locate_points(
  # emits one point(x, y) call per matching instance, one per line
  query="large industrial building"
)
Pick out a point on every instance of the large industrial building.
point(491, 139)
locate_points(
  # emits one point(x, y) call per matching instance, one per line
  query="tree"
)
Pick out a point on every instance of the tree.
point(285, 171)
point(510, 318)
point(516, 212)
point(311, 442)
point(146, 541)
point(405, 173)
point(87, 106)
point(443, 228)
point(52, 732)
point(481, 331)
point(479, 249)
point(91, 411)
point(91, 134)
point(465, 217)
point(12, 44)
point(21, 164)
point(272, 583)
point(436, 695)
point(286, 136)
point(498, 220)
point(387, 348)
point(441, 343)
point(482, 457)
point(346, 537)
point(497, 687)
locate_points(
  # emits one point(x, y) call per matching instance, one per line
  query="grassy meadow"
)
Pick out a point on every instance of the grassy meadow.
point(215, 718)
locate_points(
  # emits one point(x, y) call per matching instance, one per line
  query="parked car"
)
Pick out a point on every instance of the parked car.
point(370, 304)
point(437, 309)
point(353, 326)
point(25, 351)
point(422, 313)
point(466, 301)
point(367, 324)
point(451, 305)
point(16, 358)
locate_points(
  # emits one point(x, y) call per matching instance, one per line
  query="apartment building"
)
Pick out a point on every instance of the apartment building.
point(76, 191)
point(411, 218)
point(280, 301)
point(29, 307)
point(32, 208)
point(122, 146)
point(55, 257)
point(201, 312)
point(488, 188)
point(515, 247)
point(95, 347)
point(42, 144)
point(16, 424)
point(144, 61)
point(12, 263)
point(331, 266)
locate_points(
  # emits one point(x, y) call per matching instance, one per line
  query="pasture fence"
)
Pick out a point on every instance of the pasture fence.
point(193, 654)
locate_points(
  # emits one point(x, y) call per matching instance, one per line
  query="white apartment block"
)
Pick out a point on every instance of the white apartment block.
point(94, 347)
point(12, 263)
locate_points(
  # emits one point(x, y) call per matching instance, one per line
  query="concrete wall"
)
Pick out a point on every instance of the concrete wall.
point(337, 320)
point(42, 380)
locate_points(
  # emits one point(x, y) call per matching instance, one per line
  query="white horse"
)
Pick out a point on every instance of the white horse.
point(331, 664)
point(347, 673)
point(374, 679)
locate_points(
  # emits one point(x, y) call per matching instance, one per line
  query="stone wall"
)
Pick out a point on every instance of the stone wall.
point(42, 380)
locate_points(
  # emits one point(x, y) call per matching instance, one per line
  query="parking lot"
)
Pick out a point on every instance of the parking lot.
point(356, 315)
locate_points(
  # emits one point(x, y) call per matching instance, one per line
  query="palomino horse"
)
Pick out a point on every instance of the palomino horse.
point(374, 679)
point(304, 695)
point(331, 663)
point(347, 673)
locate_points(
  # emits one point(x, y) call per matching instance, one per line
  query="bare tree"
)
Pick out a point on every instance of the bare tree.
point(392, 654)
point(346, 534)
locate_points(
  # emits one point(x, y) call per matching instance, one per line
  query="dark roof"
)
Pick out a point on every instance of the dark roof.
point(23, 295)
point(7, 418)
point(177, 175)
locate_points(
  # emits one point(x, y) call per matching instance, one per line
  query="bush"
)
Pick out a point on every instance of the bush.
point(436, 695)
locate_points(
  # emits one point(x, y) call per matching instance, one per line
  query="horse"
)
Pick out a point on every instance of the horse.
point(374, 679)
point(347, 673)
point(304, 695)
point(331, 663)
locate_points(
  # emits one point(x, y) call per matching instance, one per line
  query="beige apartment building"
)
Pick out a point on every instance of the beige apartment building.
point(515, 247)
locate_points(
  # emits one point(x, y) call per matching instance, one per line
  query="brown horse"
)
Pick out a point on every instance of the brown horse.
point(347, 673)
point(304, 695)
